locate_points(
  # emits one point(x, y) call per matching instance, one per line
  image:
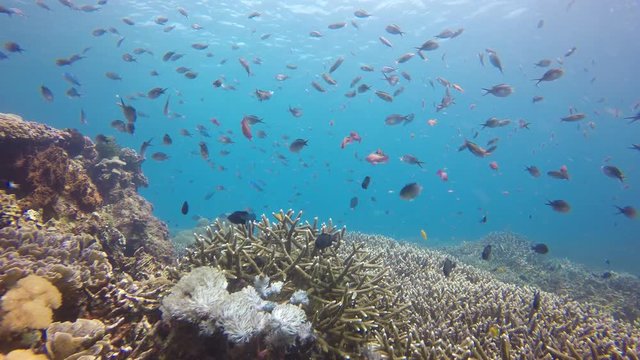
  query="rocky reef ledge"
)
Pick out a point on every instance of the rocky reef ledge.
point(86, 272)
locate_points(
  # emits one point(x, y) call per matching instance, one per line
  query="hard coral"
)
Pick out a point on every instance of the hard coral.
point(23, 355)
point(80, 338)
point(52, 175)
point(29, 305)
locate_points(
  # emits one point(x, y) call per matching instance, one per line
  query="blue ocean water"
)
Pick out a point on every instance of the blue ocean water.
point(600, 80)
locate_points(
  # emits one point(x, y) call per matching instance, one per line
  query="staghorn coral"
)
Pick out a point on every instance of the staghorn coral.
point(350, 299)
point(453, 317)
point(514, 262)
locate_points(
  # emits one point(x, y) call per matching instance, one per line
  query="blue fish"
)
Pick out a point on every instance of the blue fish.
point(72, 79)
point(3, 56)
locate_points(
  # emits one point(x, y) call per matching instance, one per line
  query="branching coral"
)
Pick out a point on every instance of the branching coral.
point(350, 299)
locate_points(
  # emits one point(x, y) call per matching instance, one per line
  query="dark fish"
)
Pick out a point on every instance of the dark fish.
point(199, 46)
point(167, 56)
point(73, 93)
point(574, 117)
point(428, 45)
point(500, 90)
point(159, 156)
point(325, 240)
point(365, 182)
point(543, 63)
point(384, 41)
point(128, 21)
point(483, 220)
point(143, 148)
point(410, 191)
point(486, 253)
point(72, 79)
point(570, 52)
point(628, 211)
point(13, 47)
point(297, 145)
point(495, 60)
point(363, 88)
point(165, 109)
point(254, 14)
point(613, 172)
point(317, 86)
point(315, 34)
point(394, 29)
point(112, 75)
point(83, 117)
point(263, 95)
point(559, 206)
point(129, 112)
point(185, 208)
point(537, 98)
point(128, 58)
point(98, 32)
point(448, 267)
point(191, 75)
point(540, 248)
point(540, 24)
point(353, 202)
point(404, 58)
point(384, 96)
point(119, 125)
point(241, 217)
point(550, 75)
point(296, 112)
point(361, 14)
point(533, 171)
point(46, 93)
point(411, 160)
point(535, 304)
point(156, 92)
point(475, 149)
point(166, 139)
point(246, 66)
point(338, 25)
point(336, 64)
point(204, 150)
point(183, 12)
point(634, 118)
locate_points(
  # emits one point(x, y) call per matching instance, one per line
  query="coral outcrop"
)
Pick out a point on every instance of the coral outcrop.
point(94, 238)
point(64, 176)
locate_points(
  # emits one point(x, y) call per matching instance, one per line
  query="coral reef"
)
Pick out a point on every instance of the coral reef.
point(514, 262)
point(471, 314)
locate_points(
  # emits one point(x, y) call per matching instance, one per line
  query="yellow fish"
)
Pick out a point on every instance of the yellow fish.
point(278, 216)
point(423, 234)
point(493, 330)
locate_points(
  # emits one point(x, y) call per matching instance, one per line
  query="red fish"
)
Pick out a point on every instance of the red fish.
point(246, 129)
point(377, 157)
point(493, 165)
point(215, 122)
point(442, 175)
point(355, 137)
